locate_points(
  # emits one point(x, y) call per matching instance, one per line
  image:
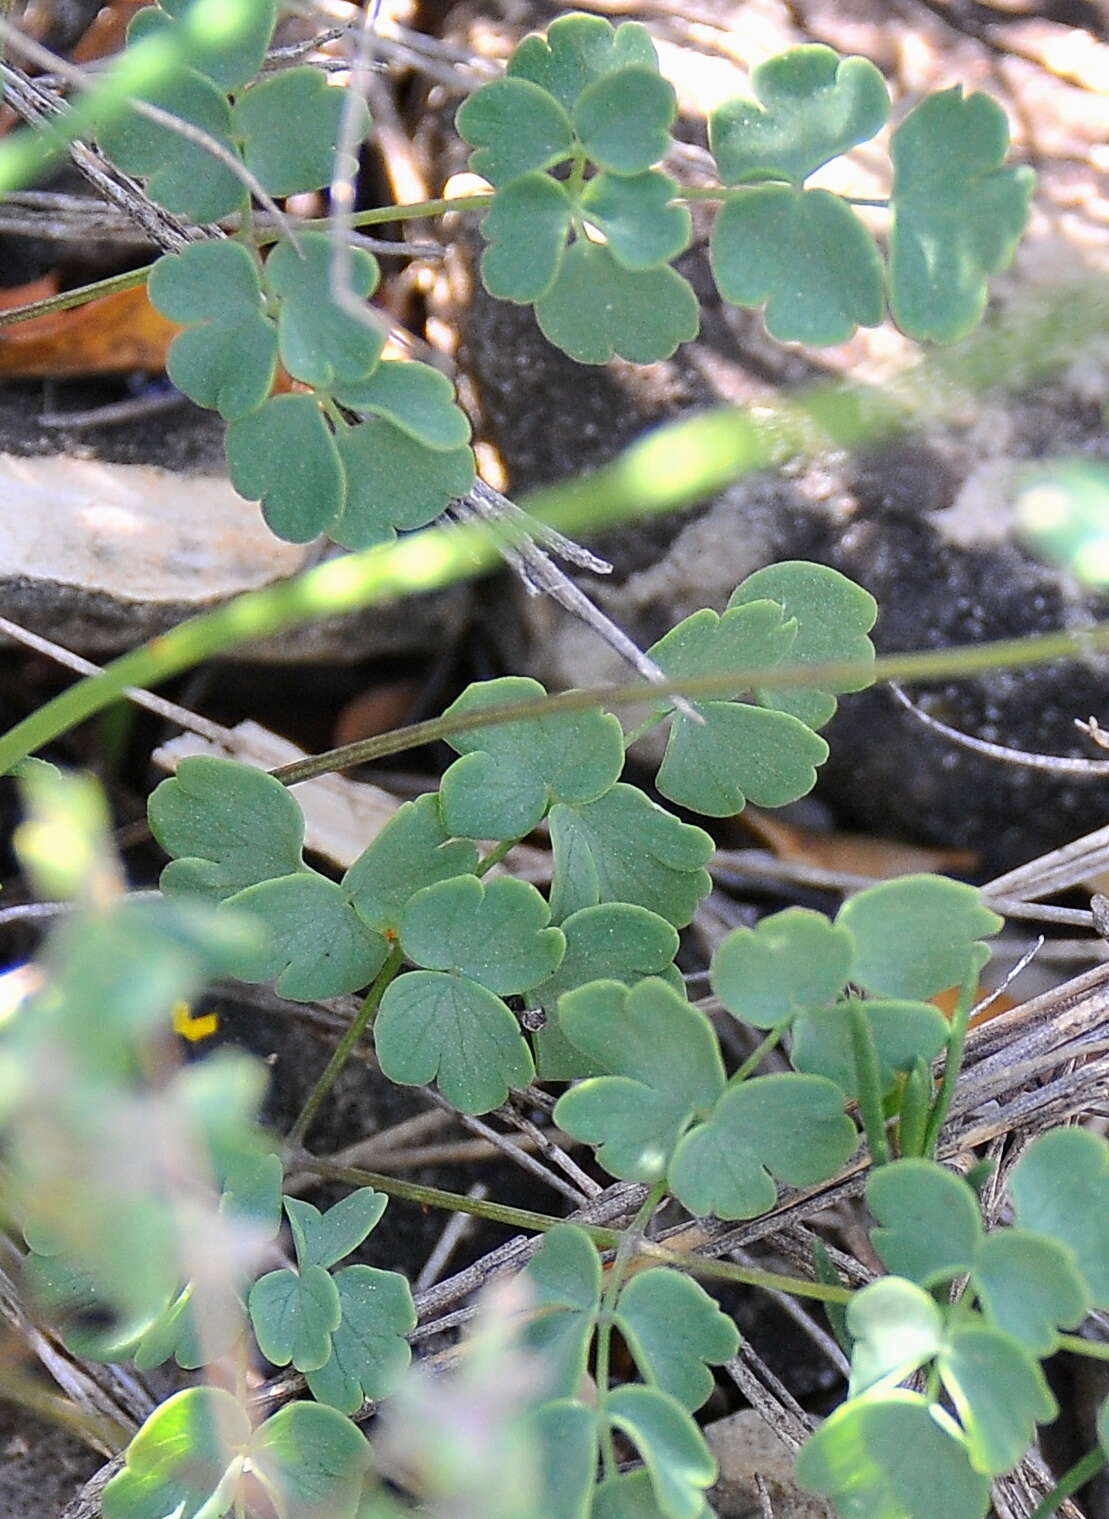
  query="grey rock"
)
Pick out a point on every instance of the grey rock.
point(746, 1447)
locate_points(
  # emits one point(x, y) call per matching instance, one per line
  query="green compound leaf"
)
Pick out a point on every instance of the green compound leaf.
point(596, 310)
point(631, 1496)
point(666, 1068)
point(227, 825)
point(180, 175)
point(227, 359)
point(614, 941)
point(624, 848)
point(317, 944)
point(293, 1315)
point(206, 282)
point(312, 1461)
point(917, 935)
point(999, 1392)
point(284, 456)
point(895, 1327)
point(673, 1328)
point(413, 850)
point(833, 617)
point(957, 215)
point(286, 162)
point(324, 1239)
point(679, 1463)
point(903, 1032)
point(564, 1281)
point(792, 961)
point(513, 127)
point(394, 483)
point(738, 752)
point(789, 1126)
point(496, 934)
point(447, 1028)
point(749, 637)
point(1060, 1187)
point(930, 1228)
point(1029, 1286)
point(251, 1191)
point(177, 1332)
point(525, 232)
point(87, 1320)
point(564, 1437)
point(230, 67)
point(643, 229)
point(623, 120)
point(369, 1351)
point(184, 1461)
point(320, 342)
point(577, 51)
point(887, 1458)
point(512, 772)
point(415, 398)
point(810, 106)
point(805, 255)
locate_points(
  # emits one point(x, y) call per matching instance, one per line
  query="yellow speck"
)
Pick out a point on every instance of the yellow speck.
point(193, 1028)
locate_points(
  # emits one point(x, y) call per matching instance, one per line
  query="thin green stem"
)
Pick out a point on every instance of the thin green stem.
point(419, 562)
point(376, 215)
point(426, 561)
point(608, 1239)
point(495, 856)
point(956, 1043)
point(865, 200)
point(635, 734)
point(1083, 1471)
point(751, 1063)
point(869, 1083)
point(80, 296)
point(912, 1120)
point(617, 1271)
point(929, 664)
point(1096, 1350)
point(343, 1050)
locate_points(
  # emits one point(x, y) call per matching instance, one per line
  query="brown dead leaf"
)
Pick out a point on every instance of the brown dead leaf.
point(111, 335)
point(107, 31)
point(375, 711)
point(948, 1000)
point(852, 853)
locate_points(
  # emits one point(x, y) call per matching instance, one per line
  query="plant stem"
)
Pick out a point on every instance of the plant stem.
point(912, 1120)
point(969, 659)
point(616, 1273)
point(1097, 1350)
point(772, 1039)
point(1083, 1470)
point(78, 297)
point(495, 856)
point(608, 1239)
point(956, 1042)
point(869, 1083)
point(376, 215)
point(635, 734)
point(425, 561)
point(364, 1017)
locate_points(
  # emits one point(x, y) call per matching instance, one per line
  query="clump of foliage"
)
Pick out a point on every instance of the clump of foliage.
point(477, 981)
